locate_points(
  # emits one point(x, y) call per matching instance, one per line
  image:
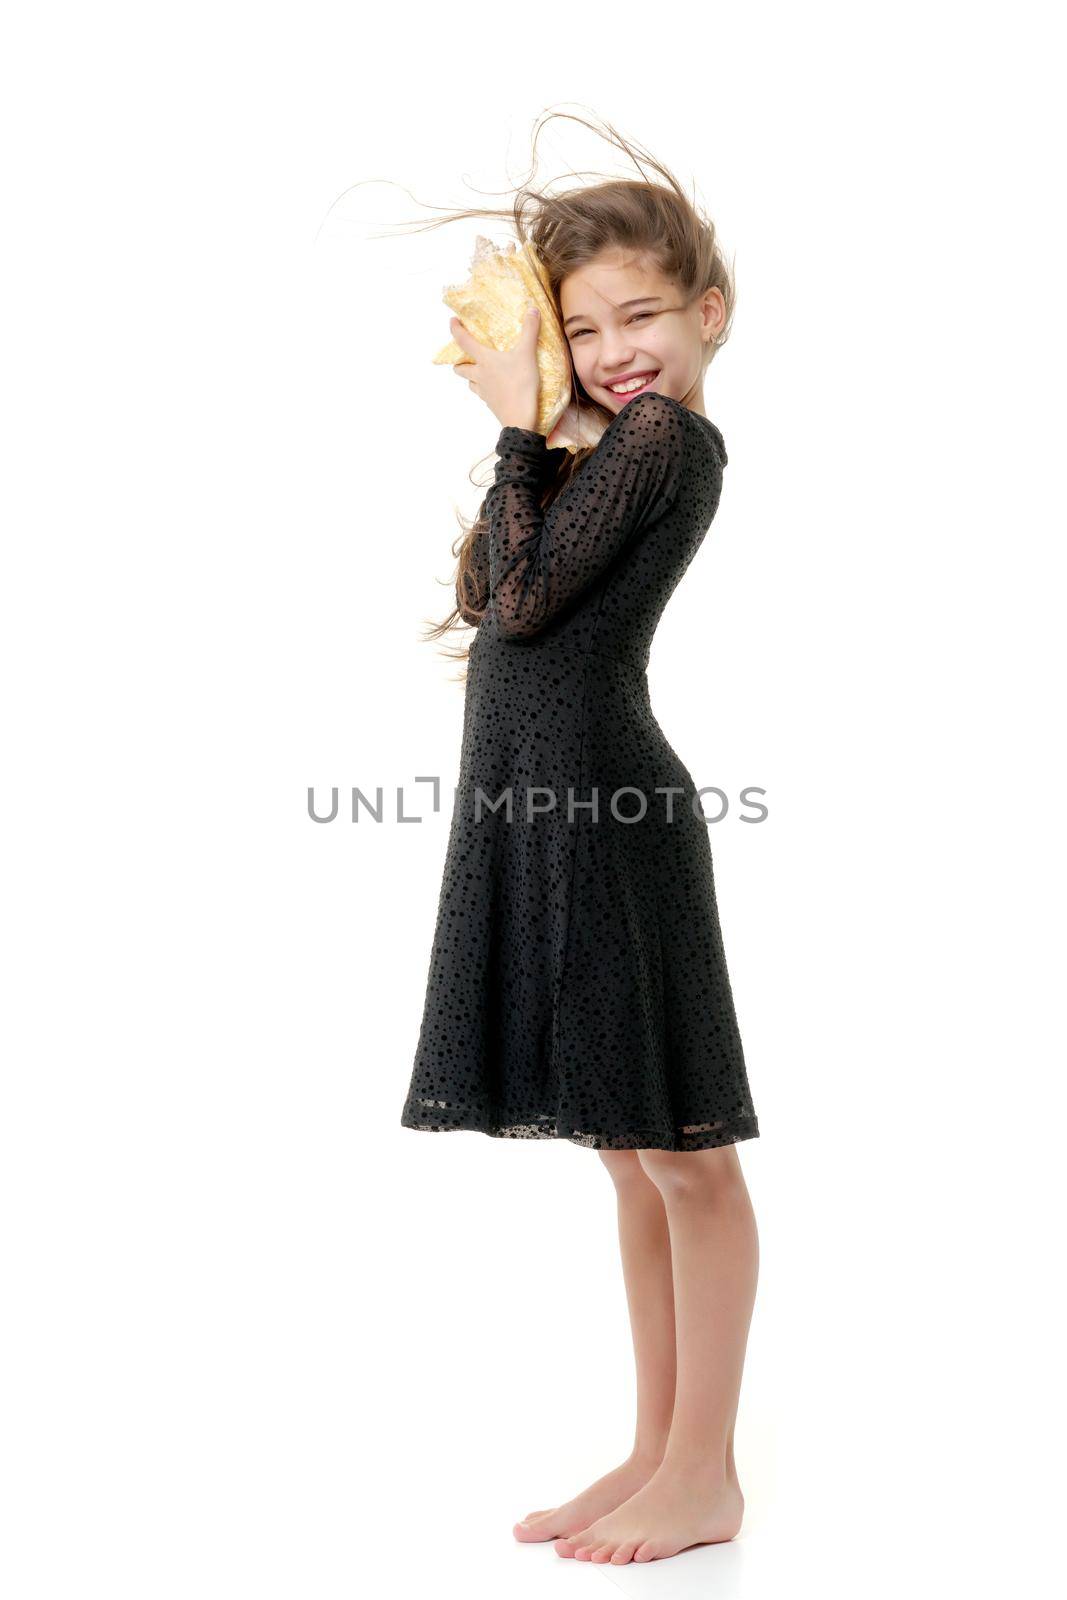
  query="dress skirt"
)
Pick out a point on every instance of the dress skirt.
point(578, 985)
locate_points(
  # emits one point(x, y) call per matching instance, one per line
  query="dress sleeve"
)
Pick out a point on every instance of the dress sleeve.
point(477, 577)
point(539, 561)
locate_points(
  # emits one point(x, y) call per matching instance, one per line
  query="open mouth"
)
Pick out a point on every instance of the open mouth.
point(635, 385)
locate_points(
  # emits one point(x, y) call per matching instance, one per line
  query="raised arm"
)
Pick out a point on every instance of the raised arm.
point(539, 561)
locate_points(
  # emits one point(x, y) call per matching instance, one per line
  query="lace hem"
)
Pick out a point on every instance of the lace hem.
point(436, 1117)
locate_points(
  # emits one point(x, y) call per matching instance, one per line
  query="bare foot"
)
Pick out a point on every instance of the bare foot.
point(676, 1508)
point(596, 1501)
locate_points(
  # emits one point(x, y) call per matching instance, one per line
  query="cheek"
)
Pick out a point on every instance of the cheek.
point(584, 365)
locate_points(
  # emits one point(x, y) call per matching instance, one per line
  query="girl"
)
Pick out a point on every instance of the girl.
point(578, 986)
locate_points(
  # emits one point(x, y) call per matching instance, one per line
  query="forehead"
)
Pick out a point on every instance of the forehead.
point(598, 288)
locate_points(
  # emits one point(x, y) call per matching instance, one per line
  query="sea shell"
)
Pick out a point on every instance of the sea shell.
point(491, 306)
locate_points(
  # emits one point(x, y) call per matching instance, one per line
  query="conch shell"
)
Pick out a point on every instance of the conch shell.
point(491, 306)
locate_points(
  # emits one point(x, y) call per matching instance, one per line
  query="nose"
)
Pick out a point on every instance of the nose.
point(616, 357)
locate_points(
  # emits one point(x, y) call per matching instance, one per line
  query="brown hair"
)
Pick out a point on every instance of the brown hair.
point(657, 221)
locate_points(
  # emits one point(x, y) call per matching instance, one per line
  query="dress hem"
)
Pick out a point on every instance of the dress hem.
point(697, 1138)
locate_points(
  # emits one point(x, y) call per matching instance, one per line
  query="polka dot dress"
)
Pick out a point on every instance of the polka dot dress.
point(578, 986)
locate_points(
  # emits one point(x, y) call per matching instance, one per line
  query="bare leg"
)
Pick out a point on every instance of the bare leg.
point(694, 1496)
point(644, 1241)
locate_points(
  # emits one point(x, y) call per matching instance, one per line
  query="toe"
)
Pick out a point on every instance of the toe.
point(602, 1552)
point(624, 1552)
point(563, 1547)
point(530, 1532)
point(647, 1551)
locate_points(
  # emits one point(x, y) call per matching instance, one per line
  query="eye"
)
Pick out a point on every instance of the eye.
point(579, 331)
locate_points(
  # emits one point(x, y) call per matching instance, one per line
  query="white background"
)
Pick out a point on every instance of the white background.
point(260, 1340)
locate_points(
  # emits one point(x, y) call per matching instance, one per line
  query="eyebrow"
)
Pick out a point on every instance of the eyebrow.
point(642, 299)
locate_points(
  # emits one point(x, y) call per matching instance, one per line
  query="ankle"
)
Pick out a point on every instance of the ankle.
point(648, 1456)
point(696, 1461)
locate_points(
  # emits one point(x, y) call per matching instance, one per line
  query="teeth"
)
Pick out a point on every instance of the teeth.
point(634, 383)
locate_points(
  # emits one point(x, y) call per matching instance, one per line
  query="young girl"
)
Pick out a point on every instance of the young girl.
point(578, 986)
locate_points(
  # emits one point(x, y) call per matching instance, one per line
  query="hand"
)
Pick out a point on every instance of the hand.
point(507, 380)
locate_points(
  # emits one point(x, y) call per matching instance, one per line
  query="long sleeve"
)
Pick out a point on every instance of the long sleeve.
point(477, 577)
point(540, 561)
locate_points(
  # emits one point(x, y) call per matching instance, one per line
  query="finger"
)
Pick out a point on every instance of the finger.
point(465, 340)
point(464, 369)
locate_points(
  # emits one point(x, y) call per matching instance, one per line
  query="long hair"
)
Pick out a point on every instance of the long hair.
point(650, 217)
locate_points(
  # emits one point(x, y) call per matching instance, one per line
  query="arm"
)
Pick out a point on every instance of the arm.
point(539, 561)
point(477, 575)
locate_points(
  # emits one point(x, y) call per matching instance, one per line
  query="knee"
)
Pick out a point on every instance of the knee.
point(624, 1167)
point(710, 1177)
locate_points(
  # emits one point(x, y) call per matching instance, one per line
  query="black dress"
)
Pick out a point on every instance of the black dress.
point(578, 986)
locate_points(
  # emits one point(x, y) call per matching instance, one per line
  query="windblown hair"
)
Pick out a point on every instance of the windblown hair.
point(652, 219)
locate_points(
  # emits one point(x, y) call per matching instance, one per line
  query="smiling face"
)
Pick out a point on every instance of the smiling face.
point(624, 319)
